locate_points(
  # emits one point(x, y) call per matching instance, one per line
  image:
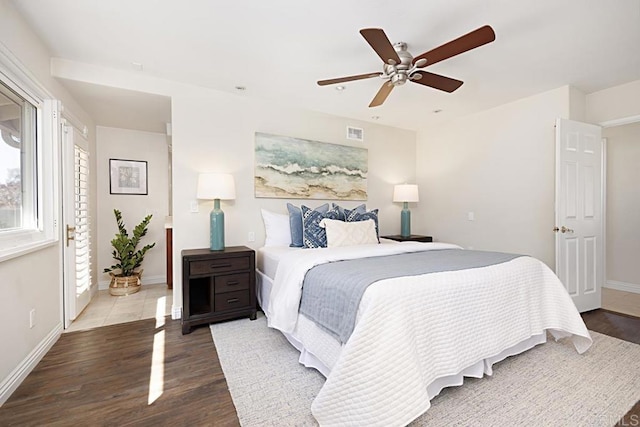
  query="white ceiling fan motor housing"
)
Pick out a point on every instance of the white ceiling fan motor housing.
point(399, 74)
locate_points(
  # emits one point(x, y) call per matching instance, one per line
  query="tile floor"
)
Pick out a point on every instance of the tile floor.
point(621, 301)
point(105, 309)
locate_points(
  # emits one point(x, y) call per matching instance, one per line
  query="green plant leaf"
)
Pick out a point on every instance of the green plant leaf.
point(124, 247)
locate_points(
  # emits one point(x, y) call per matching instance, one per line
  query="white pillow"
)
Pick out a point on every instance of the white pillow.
point(276, 228)
point(340, 233)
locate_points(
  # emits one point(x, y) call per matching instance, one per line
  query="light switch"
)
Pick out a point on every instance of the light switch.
point(194, 206)
point(471, 216)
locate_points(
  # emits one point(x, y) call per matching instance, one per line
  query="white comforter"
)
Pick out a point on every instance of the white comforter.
point(411, 331)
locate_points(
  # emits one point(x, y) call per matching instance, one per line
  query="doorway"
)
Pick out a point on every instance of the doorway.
point(127, 125)
point(622, 284)
point(153, 298)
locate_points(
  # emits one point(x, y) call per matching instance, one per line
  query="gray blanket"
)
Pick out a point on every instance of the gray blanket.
point(331, 292)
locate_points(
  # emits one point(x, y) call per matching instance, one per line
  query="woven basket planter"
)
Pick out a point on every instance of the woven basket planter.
point(125, 285)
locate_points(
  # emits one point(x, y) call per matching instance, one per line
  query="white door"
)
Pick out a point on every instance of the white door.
point(580, 211)
point(77, 273)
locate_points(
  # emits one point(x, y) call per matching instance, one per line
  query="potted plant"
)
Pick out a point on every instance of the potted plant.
point(129, 258)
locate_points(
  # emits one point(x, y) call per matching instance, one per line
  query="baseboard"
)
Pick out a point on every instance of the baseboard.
point(623, 286)
point(146, 280)
point(176, 313)
point(15, 378)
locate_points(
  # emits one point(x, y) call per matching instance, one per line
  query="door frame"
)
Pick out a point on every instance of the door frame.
point(609, 124)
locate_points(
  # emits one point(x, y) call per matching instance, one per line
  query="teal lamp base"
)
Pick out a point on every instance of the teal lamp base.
point(216, 227)
point(405, 221)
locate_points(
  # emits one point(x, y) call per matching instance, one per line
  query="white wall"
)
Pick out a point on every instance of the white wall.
point(500, 165)
point(113, 143)
point(616, 103)
point(31, 281)
point(214, 132)
point(623, 206)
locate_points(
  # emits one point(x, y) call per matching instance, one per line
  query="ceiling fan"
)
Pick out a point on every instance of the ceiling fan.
point(400, 66)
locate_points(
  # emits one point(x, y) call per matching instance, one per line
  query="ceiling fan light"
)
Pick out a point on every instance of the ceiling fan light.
point(420, 63)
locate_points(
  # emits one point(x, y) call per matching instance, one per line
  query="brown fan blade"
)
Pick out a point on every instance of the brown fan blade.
point(348, 79)
point(476, 38)
point(378, 40)
point(436, 81)
point(382, 94)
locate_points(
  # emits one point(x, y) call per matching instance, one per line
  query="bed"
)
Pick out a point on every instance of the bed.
point(414, 335)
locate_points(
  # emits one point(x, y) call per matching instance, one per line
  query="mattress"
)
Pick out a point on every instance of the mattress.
point(269, 257)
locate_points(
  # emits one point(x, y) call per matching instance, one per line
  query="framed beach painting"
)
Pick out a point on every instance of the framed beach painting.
point(294, 168)
point(127, 177)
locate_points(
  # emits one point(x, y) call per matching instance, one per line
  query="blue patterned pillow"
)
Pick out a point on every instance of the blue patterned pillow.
point(314, 236)
point(360, 208)
point(295, 223)
point(353, 216)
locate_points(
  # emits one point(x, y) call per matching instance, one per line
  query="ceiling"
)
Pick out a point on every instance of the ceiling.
point(278, 49)
point(120, 108)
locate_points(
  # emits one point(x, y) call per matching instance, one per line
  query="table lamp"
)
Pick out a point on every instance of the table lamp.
point(216, 187)
point(405, 193)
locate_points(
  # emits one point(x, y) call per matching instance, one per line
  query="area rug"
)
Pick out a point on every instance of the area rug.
point(549, 385)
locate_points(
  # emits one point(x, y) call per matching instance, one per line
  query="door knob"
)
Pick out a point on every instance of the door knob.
point(71, 234)
point(562, 229)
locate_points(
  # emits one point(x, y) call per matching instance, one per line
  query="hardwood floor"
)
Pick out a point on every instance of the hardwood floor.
point(102, 377)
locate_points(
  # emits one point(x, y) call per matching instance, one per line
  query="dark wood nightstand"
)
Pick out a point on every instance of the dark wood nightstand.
point(217, 285)
point(410, 238)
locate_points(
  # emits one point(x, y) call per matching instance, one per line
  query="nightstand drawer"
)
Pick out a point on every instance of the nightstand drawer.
point(231, 300)
point(231, 282)
point(222, 265)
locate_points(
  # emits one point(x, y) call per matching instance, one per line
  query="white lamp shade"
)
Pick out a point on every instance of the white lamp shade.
point(405, 193)
point(216, 186)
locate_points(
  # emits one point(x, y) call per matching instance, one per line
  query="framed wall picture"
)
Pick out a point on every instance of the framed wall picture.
point(128, 177)
point(294, 168)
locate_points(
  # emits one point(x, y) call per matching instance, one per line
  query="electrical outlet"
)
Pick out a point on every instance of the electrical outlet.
point(471, 216)
point(251, 237)
point(194, 206)
point(32, 318)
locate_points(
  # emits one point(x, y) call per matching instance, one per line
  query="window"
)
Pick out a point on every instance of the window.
point(29, 182)
point(17, 161)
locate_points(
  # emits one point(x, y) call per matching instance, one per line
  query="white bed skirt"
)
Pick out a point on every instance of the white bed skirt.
point(319, 350)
